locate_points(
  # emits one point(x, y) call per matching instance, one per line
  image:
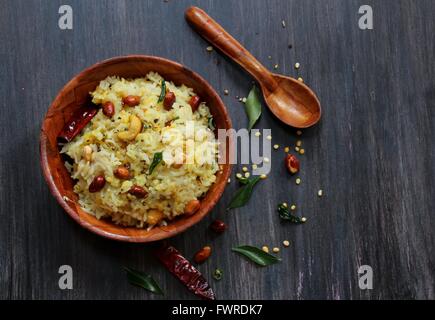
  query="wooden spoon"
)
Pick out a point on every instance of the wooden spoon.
point(289, 99)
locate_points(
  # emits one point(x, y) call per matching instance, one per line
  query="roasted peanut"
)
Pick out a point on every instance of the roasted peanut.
point(218, 226)
point(133, 130)
point(87, 153)
point(202, 254)
point(122, 173)
point(178, 165)
point(292, 163)
point(169, 100)
point(97, 184)
point(131, 101)
point(191, 207)
point(138, 192)
point(194, 103)
point(154, 216)
point(108, 109)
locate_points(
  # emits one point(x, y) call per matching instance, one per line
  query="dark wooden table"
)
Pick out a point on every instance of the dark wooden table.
point(372, 153)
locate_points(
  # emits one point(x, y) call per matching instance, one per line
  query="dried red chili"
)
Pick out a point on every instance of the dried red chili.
point(181, 268)
point(76, 123)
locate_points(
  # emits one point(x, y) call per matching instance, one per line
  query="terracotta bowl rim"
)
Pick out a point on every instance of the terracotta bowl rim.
point(226, 172)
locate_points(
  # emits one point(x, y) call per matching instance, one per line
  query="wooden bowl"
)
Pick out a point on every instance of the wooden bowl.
point(75, 94)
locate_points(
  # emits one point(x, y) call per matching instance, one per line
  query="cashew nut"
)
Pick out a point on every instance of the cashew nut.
point(154, 216)
point(87, 153)
point(133, 130)
point(192, 206)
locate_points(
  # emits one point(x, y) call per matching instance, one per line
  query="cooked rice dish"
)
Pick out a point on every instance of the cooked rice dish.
point(157, 157)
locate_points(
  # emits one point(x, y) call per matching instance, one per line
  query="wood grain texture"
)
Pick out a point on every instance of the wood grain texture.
point(372, 153)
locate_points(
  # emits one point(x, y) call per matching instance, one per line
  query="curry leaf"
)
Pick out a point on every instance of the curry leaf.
point(158, 156)
point(256, 255)
point(284, 213)
point(253, 107)
point(142, 280)
point(163, 92)
point(243, 195)
point(243, 180)
point(211, 124)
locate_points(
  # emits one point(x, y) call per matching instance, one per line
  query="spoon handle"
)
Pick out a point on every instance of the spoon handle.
point(216, 35)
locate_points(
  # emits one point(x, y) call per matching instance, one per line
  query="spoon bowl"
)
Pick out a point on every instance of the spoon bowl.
point(293, 102)
point(290, 100)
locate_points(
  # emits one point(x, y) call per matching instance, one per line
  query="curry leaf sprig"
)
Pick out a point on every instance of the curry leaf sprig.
point(158, 157)
point(243, 195)
point(142, 280)
point(285, 214)
point(256, 255)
